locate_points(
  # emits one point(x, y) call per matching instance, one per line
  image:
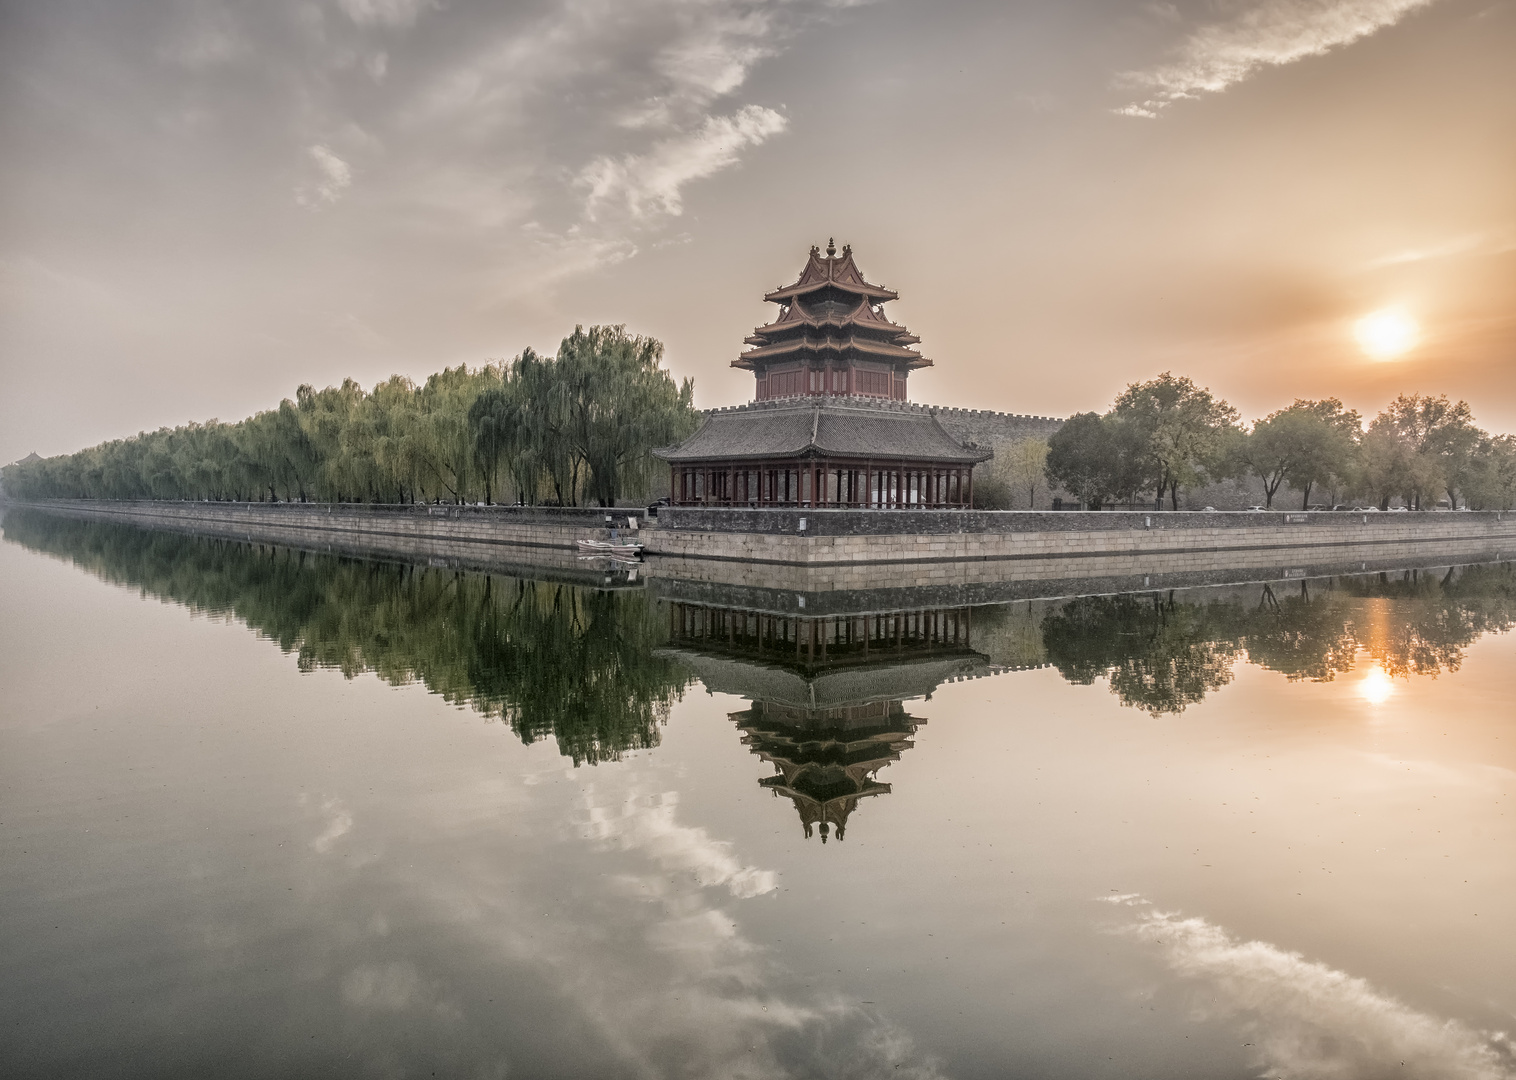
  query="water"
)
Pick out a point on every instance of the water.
point(420, 821)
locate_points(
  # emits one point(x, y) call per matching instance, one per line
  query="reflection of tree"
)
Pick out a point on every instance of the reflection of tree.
point(1420, 623)
point(1302, 635)
point(1162, 653)
point(547, 659)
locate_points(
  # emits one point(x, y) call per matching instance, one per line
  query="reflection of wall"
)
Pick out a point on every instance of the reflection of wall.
point(827, 692)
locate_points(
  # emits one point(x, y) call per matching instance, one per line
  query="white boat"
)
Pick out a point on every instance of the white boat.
point(626, 549)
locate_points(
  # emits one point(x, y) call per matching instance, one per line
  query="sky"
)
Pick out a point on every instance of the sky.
point(205, 204)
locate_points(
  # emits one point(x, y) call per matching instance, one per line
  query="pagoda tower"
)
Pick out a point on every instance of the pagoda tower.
point(830, 425)
point(831, 337)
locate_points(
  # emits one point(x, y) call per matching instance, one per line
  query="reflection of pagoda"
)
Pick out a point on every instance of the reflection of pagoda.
point(826, 692)
point(825, 759)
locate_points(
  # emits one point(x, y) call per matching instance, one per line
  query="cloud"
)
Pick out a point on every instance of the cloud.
point(1313, 1022)
point(392, 13)
point(334, 177)
point(1473, 243)
point(712, 58)
point(648, 184)
point(1269, 34)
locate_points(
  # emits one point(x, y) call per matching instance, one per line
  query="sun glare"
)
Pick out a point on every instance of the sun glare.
point(1387, 333)
point(1376, 686)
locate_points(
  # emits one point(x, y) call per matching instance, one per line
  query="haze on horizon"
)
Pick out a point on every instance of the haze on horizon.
point(206, 204)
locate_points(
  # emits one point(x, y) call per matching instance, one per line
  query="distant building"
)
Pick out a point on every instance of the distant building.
point(830, 425)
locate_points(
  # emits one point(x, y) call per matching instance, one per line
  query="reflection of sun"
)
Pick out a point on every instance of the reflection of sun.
point(1387, 333)
point(1376, 687)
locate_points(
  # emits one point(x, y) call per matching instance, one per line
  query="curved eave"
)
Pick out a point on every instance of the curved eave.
point(766, 338)
point(789, 292)
point(671, 455)
point(784, 350)
point(843, 322)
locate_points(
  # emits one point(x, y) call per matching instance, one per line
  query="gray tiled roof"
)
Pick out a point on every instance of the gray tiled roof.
point(825, 427)
point(759, 681)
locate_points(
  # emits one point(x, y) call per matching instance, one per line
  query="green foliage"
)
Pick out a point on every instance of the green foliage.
point(551, 661)
point(1096, 457)
point(1310, 443)
point(1422, 445)
point(1186, 435)
point(582, 424)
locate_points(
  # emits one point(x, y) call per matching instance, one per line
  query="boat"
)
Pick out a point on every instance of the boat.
point(626, 549)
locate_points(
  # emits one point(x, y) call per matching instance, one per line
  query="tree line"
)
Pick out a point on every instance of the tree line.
point(576, 426)
point(1167, 434)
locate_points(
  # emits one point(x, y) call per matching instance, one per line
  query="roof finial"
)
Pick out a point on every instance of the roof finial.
point(831, 248)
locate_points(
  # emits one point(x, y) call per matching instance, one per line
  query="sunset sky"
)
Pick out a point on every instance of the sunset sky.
point(204, 204)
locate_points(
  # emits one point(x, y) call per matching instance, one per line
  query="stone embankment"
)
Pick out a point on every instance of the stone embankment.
point(526, 541)
point(825, 550)
point(1005, 554)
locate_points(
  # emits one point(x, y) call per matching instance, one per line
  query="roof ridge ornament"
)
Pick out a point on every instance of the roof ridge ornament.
point(831, 248)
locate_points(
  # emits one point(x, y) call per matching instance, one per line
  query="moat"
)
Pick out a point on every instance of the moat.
point(272, 812)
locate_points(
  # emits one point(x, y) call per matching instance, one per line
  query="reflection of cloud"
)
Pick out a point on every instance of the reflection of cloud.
point(1313, 1021)
point(388, 987)
point(339, 822)
point(1267, 34)
point(647, 824)
point(678, 989)
point(648, 184)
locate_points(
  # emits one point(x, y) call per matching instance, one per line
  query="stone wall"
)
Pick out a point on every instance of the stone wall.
point(524, 541)
point(881, 559)
point(986, 428)
point(1284, 526)
point(999, 431)
point(810, 587)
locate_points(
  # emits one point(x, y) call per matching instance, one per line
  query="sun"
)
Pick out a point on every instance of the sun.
point(1387, 333)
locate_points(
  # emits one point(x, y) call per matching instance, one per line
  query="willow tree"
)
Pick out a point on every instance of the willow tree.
point(618, 405)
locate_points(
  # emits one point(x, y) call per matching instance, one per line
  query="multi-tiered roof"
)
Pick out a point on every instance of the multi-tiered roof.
point(831, 336)
point(831, 425)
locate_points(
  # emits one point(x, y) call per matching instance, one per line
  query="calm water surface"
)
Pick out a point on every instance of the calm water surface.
point(273, 814)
